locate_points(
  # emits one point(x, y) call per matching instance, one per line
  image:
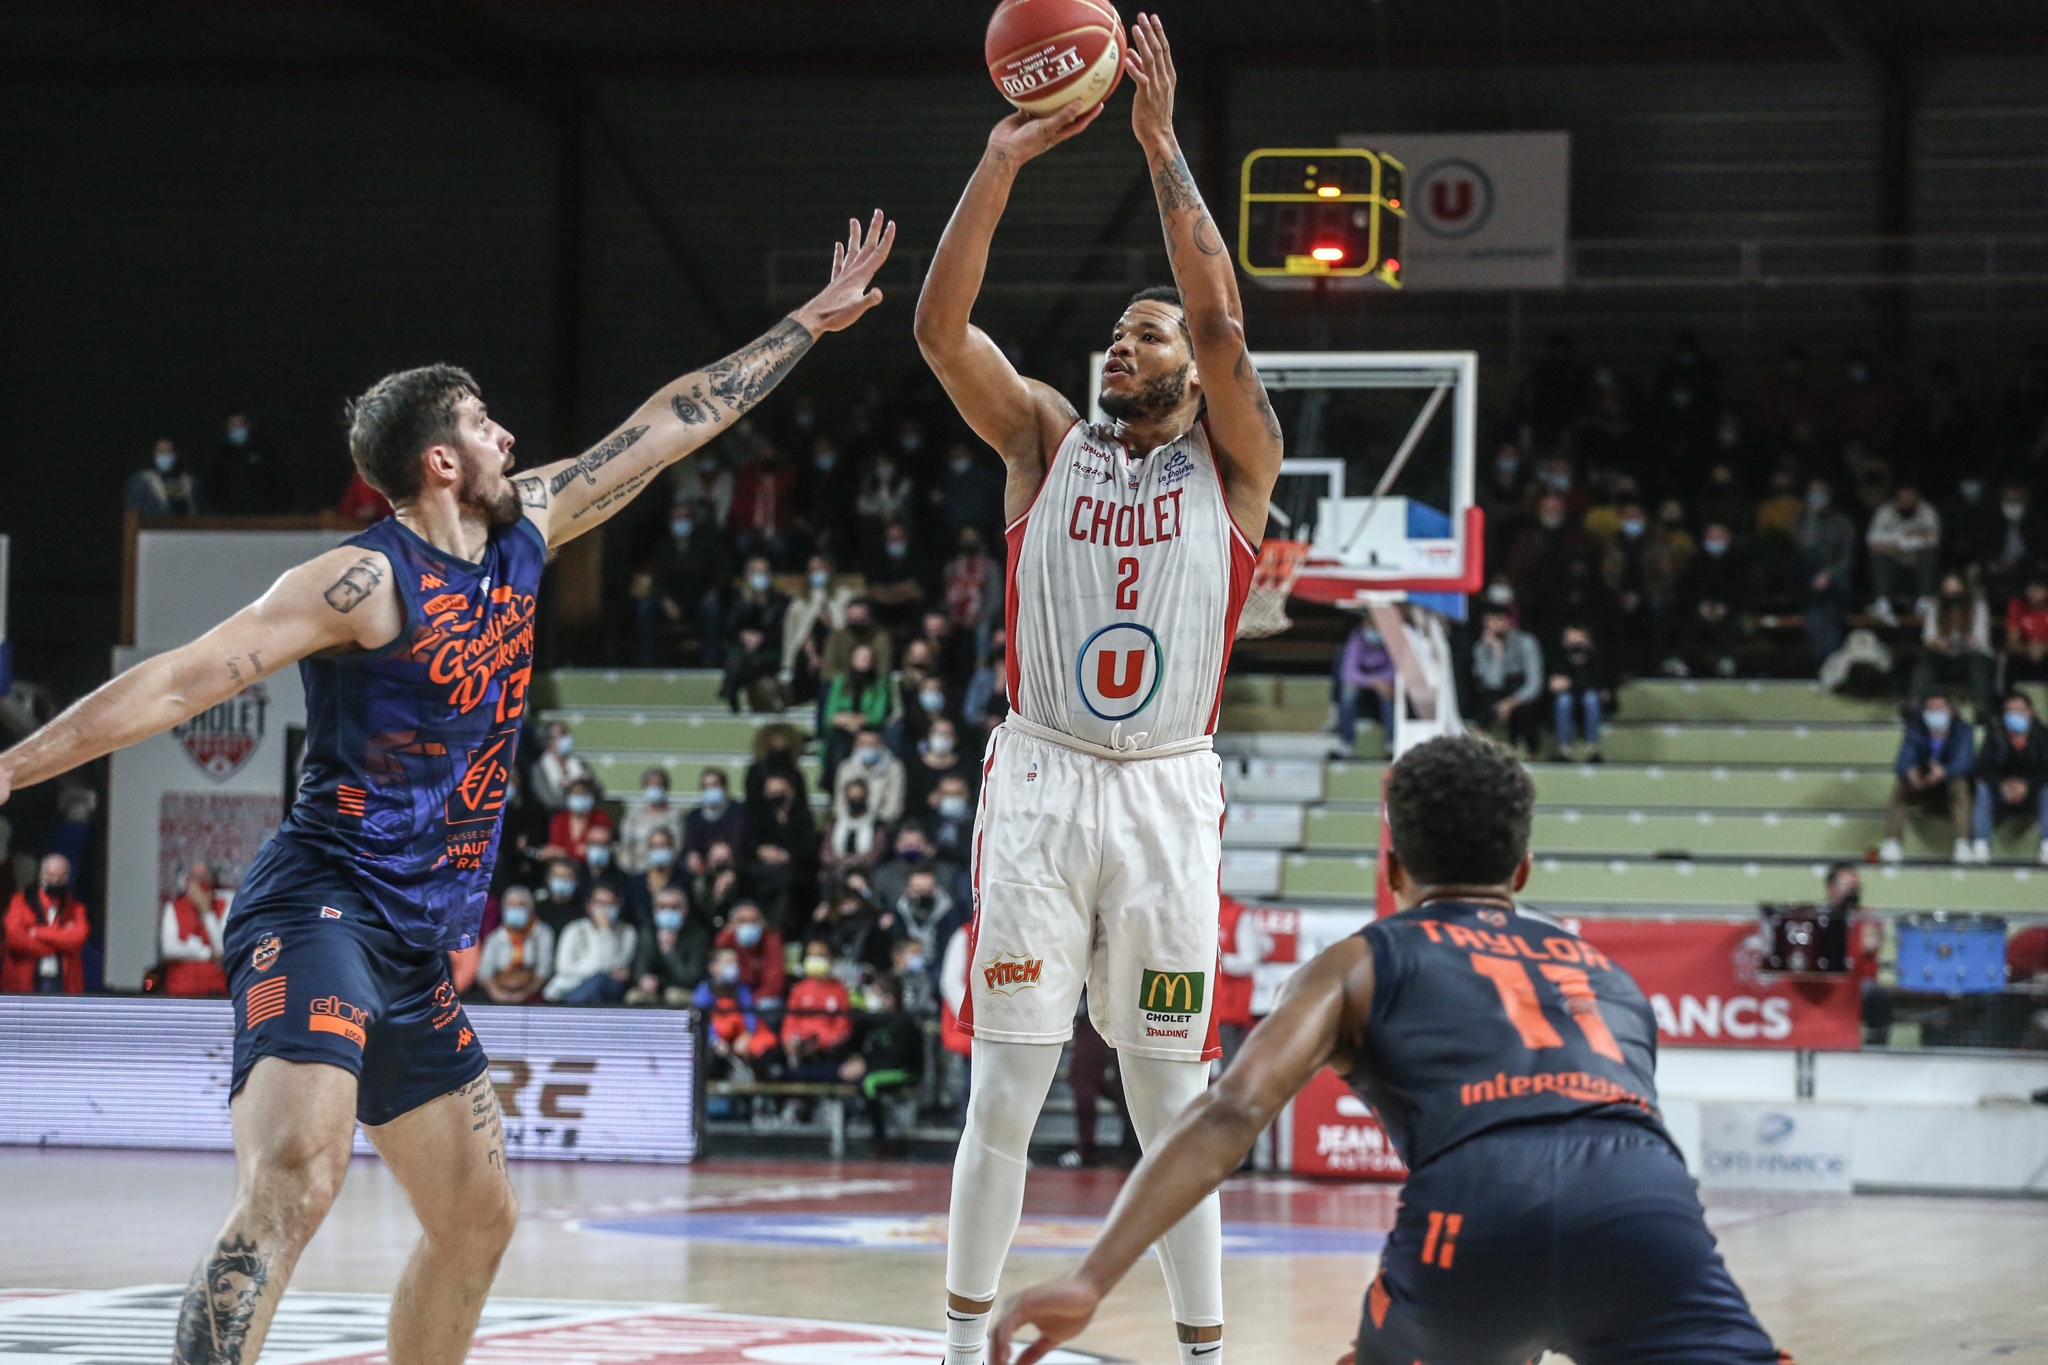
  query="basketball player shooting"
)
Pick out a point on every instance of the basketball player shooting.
point(1131, 548)
point(1514, 1066)
point(415, 643)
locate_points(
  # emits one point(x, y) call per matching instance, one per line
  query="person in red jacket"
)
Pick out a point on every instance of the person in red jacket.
point(46, 933)
point(189, 937)
point(759, 948)
point(817, 1021)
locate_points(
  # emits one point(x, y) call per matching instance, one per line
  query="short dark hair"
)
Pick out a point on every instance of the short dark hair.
point(1459, 807)
point(1163, 293)
point(398, 417)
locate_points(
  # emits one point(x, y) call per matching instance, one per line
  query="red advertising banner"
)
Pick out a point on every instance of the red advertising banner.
point(1703, 981)
point(1333, 1132)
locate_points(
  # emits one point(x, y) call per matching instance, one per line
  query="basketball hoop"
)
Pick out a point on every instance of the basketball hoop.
point(1265, 606)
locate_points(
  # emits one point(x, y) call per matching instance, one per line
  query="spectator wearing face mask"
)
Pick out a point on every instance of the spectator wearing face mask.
point(248, 477)
point(926, 701)
point(163, 487)
point(752, 681)
point(856, 836)
point(519, 955)
point(687, 585)
point(936, 757)
point(1905, 550)
point(817, 1024)
point(715, 889)
point(718, 819)
point(188, 935)
point(973, 587)
point(1955, 644)
point(948, 824)
point(1710, 601)
point(2022, 536)
point(916, 980)
point(762, 519)
point(1970, 524)
point(781, 853)
point(1937, 757)
point(557, 769)
point(2026, 632)
point(1507, 678)
point(969, 493)
point(953, 649)
point(758, 950)
point(812, 616)
point(921, 909)
point(1365, 679)
point(880, 770)
point(912, 849)
point(1580, 693)
point(46, 930)
point(738, 1039)
point(1827, 554)
point(670, 959)
point(862, 698)
point(885, 498)
point(653, 811)
point(594, 962)
point(662, 870)
point(1539, 560)
point(896, 585)
point(2011, 775)
point(827, 492)
point(889, 1058)
point(570, 829)
point(988, 700)
point(758, 605)
point(559, 901)
point(858, 629)
point(601, 868)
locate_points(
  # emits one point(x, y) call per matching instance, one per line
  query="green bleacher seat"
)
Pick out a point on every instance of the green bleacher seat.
point(1871, 745)
point(651, 688)
point(1684, 788)
point(646, 734)
point(621, 772)
point(1750, 701)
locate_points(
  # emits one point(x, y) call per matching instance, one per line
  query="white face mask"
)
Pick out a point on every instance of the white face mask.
point(654, 795)
point(820, 579)
point(581, 802)
point(712, 799)
point(2014, 511)
point(660, 857)
point(758, 582)
point(932, 701)
point(518, 916)
point(598, 855)
point(953, 807)
point(166, 462)
point(938, 743)
point(871, 757)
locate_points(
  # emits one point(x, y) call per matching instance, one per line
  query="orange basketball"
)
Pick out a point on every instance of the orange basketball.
point(1043, 54)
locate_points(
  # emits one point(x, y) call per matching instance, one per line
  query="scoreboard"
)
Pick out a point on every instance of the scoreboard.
point(1321, 212)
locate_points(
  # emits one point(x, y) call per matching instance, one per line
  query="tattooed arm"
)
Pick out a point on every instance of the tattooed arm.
point(343, 600)
point(1247, 434)
point(568, 498)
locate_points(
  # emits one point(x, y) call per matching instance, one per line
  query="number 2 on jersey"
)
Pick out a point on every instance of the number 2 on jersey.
point(1518, 999)
point(1127, 584)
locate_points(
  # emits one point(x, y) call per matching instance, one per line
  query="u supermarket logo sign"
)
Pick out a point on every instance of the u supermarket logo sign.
point(1453, 198)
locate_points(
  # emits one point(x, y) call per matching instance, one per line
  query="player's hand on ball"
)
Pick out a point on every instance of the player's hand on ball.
point(1150, 64)
point(854, 263)
point(1023, 136)
point(1060, 1309)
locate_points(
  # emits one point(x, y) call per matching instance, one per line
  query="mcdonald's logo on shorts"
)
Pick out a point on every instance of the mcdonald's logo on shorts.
point(1171, 992)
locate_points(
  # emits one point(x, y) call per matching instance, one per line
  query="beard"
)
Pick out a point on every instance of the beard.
point(492, 494)
point(1154, 398)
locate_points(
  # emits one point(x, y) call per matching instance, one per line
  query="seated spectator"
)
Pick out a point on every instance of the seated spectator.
point(662, 872)
point(818, 1023)
point(1507, 676)
point(1668, 551)
point(687, 584)
point(776, 749)
point(969, 495)
point(780, 858)
point(915, 978)
point(718, 819)
point(1710, 599)
point(858, 629)
point(1579, 689)
point(669, 963)
point(921, 908)
point(164, 488)
point(248, 477)
point(762, 518)
point(895, 581)
point(927, 699)
point(189, 937)
point(753, 665)
point(1827, 553)
point(2026, 632)
point(859, 699)
point(1955, 644)
point(856, 836)
point(654, 811)
point(739, 1041)
point(569, 831)
point(864, 933)
point(808, 623)
point(1365, 675)
point(828, 494)
point(559, 902)
point(2012, 775)
point(46, 929)
point(988, 698)
point(715, 890)
point(882, 772)
point(973, 589)
point(1970, 525)
point(558, 768)
point(953, 650)
point(600, 868)
point(519, 955)
point(361, 503)
point(885, 498)
point(1937, 758)
point(758, 950)
point(2022, 536)
point(936, 758)
point(1905, 550)
point(890, 1059)
point(594, 964)
point(948, 824)
point(912, 850)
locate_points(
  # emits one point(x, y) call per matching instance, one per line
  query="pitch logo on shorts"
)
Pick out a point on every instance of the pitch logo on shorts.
point(1008, 973)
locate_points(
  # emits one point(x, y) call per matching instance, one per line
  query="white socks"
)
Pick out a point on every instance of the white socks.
point(967, 1337)
point(1202, 1352)
point(1191, 1253)
point(1008, 1081)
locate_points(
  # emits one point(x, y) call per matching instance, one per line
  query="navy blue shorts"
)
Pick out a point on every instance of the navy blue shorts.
point(318, 976)
point(1584, 1237)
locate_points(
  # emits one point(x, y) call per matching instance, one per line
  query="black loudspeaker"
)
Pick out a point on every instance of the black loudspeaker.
point(1805, 940)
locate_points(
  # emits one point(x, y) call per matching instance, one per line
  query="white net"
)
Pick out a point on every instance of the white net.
point(1265, 606)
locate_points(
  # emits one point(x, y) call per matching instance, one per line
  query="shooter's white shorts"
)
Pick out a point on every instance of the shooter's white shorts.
point(1097, 872)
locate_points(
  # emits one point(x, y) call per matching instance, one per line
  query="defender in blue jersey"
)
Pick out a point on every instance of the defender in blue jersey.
point(415, 643)
point(1514, 1067)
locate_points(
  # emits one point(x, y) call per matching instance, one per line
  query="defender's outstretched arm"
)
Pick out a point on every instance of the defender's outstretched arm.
point(1247, 434)
point(1305, 1031)
point(567, 498)
point(340, 600)
point(1022, 418)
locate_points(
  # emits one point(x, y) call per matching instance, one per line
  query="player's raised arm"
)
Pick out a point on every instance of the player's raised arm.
point(1022, 418)
point(1241, 421)
point(1319, 1018)
point(569, 497)
point(341, 600)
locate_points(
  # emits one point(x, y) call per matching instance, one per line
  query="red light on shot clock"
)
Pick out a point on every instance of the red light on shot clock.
point(1328, 254)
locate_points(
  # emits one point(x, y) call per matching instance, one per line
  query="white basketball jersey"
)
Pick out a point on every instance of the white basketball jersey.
point(1125, 582)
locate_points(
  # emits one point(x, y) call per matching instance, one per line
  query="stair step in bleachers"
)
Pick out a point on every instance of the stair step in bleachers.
point(1751, 700)
point(1798, 744)
point(1688, 787)
point(638, 688)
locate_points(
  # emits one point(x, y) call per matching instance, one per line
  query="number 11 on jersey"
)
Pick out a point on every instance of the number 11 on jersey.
point(1518, 999)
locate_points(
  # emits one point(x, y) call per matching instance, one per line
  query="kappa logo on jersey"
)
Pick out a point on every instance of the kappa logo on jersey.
point(335, 1015)
point(265, 956)
point(1176, 469)
point(428, 582)
point(1010, 973)
point(1494, 917)
point(1118, 671)
point(1174, 993)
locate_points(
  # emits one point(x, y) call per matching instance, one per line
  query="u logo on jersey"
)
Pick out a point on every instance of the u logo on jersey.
point(1118, 671)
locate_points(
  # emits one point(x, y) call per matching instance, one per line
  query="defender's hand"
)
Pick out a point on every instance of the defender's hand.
point(854, 263)
point(1150, 62)
point(1060, 1310)
point(1021, 136)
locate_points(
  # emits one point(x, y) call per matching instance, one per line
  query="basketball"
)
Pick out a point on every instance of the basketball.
point(1043, 54)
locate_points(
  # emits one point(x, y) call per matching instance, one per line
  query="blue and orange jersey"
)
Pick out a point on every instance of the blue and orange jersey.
point(1484, 1017)
point(409, 748)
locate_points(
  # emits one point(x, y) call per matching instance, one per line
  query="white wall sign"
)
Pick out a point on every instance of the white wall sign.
point(1803, 1147)
point(1485, 210)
